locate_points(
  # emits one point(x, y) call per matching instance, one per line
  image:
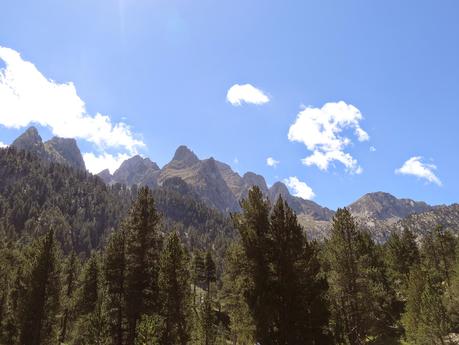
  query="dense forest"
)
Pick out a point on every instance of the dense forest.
point(86, 263)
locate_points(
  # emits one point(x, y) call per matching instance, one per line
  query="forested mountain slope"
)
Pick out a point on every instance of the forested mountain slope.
point(36, 194)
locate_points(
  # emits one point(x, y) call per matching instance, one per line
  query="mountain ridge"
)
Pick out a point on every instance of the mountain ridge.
point(220, 187)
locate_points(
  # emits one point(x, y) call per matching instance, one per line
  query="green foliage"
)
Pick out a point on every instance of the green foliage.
point(174, 289)
point(285, 294)
point(114, 271)
point(69, 285)
point(235, 284)
point(402, 253)
point(363, 303)
point(425, 318)
point(39, 304)
point(142, 259)
point(148, 330)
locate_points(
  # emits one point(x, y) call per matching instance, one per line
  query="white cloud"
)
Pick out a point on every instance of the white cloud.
point(2, 145)
point(272, 162)
point(372, 149)
point(299, 188)
point(321, 131)
point(414, 166)
point(96, 163)
point(28, 97)
point(236, 160)
point(246, 93)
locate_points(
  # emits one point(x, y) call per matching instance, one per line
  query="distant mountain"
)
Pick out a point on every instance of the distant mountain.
point(379, 212)
point(58, 150)
point(383, 206)
point(135, 170)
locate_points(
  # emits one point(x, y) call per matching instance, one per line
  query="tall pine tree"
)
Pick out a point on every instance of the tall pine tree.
point(142, 255)
point(175, 293)
point(40, 306)
point(114, 278)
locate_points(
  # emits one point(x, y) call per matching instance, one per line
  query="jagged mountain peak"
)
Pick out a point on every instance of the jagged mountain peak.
point(105, 176)
point(136, 170)
point(58, 150)
point(185, 155)
point(251, 179)
point(278, 188)
point(138, 161)
point(30, 140)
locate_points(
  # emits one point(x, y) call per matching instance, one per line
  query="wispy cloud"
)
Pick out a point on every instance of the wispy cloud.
point(372, 149)
point(299, 188)
point(414, 166)
point(247, 93)
point(98, 162)
point(270, 161)
point(2, 145)
point(28, 97)
point(321, 130)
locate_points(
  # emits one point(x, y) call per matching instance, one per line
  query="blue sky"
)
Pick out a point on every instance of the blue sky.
point(164, 67)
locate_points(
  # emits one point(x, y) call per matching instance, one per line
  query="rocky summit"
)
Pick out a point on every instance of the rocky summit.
point(58, 150)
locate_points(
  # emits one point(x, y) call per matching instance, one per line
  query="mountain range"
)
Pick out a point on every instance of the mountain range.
point(220, 187)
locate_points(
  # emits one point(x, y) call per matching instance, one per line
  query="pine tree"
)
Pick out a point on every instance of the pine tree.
point(236, 282)
point(10, 327)
point(198, 273)
point(70, 273)
point(207, 322)
point(174, 285)
point(91, 324)
point(114, 278)
point(299, 308)
point(40, 307)
point(209, 271)
point(89, 287)
point(142, 253)
point(253, 226)
point(362, 301)
point(285, 293)
point(438, 251)
point(425, 319)
point(402, 253)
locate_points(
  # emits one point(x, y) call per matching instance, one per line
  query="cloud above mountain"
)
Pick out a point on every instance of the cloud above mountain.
point(299, 188)
point(28, 97)
point(270, 161)
point(326, 132)
point(415, 167)
point(246, 93)
point(97, 163)
point(2, 145)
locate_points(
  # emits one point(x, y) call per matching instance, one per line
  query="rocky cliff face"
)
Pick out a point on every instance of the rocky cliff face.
point(57, 150)
point(203, 176)
point(65, 151)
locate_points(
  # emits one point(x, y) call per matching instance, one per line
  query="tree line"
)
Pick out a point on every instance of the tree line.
point(147, 286)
